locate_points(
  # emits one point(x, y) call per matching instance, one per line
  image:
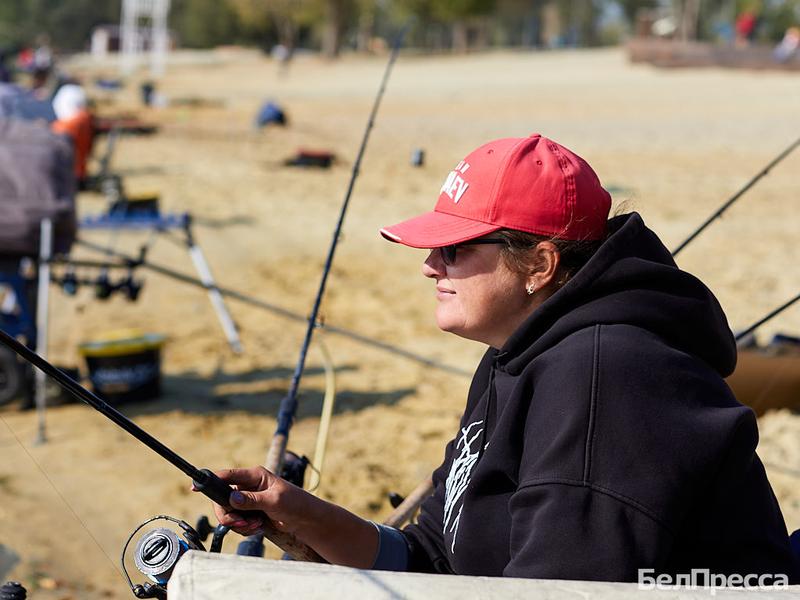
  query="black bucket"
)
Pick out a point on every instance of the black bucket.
point(125, 366)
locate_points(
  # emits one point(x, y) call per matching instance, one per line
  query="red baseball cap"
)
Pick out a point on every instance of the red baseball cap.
point(529, 184)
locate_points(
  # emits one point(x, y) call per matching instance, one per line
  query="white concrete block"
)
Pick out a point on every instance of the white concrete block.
point(204, 576)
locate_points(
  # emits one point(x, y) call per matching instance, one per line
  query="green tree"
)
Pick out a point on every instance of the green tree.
point(204, 23)
point(338, 16)
point(631, 7)
point(460, 15)
point(285, 18)
point(68, 23)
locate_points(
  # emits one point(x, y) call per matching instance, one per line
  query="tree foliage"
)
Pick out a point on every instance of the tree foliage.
point(205, 23)
point(333, 24)
point(67, 22)
point(459, 10)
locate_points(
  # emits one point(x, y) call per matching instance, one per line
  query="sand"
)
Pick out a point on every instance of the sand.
point(672, 145)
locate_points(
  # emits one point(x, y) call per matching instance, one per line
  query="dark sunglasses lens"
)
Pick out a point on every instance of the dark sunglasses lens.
point(448, 254)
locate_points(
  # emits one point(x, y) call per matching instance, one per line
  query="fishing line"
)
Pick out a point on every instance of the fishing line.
point(326, 416)
point(63, 499)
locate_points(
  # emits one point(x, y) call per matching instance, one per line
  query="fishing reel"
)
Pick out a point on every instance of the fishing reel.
point(103, 287)
point(157, 552)
point(158, 549)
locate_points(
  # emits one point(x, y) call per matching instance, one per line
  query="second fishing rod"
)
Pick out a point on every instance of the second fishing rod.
point(740, 336)
point(728, 203)
point(288, 405)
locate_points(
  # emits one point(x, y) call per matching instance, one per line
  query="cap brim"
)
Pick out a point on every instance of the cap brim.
point(435, 229)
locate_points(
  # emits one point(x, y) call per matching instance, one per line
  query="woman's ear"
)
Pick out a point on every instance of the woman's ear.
point(544, 263)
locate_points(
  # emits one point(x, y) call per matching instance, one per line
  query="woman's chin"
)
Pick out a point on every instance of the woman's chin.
point(445, 322)
point(450, 324)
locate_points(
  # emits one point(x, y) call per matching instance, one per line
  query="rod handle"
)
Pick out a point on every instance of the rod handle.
point(217, 490)
point(291, 545)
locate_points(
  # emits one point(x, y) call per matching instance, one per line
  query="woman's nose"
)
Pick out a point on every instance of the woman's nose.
point(433, 266)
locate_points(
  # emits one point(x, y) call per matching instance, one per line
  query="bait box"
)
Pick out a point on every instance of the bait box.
point(125, 366)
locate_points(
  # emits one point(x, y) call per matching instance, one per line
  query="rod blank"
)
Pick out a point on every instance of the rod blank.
point(80, 392)
point(736, 196)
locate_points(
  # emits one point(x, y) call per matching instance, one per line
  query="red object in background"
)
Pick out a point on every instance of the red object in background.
point(25, 59)
point(745, 24)
point(311, 158)
point(124, 124)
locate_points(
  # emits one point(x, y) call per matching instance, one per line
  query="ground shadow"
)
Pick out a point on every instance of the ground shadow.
point(257, 392)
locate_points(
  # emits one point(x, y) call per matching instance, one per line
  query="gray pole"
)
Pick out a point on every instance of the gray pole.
point(42, 299)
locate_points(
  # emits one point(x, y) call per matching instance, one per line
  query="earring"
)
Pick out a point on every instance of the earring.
point(530, 288)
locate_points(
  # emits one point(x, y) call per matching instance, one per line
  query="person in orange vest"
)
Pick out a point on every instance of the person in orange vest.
point(74, 120)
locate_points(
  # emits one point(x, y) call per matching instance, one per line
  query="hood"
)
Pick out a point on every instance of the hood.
point(631, 280)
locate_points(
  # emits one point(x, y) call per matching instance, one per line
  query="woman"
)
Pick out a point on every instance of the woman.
point(599, 437)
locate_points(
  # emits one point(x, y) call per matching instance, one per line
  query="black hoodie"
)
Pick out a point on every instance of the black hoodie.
point(602, 438)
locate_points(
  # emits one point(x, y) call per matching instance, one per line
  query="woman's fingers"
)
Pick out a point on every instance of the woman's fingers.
point(246, 500)
point(233, 519)
point(253, 489)
point(253, 478)
point(264, 500)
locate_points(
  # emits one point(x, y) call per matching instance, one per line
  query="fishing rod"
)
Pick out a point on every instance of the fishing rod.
point(736, 196)
point(774, 313)
point(203, 480)
point(288, 405)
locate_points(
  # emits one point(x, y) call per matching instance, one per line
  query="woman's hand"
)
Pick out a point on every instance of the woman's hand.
point(339, 536)
point(258, 490)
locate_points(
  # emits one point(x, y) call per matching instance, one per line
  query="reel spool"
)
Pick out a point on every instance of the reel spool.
point(156, 554)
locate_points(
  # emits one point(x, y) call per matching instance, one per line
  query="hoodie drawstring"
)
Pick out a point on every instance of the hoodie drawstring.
point(489, 404)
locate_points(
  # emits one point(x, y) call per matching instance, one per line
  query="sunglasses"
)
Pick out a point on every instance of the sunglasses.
point(448, 253)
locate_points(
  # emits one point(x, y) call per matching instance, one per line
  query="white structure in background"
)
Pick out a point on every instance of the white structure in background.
point(100, 43)
point(144, 28)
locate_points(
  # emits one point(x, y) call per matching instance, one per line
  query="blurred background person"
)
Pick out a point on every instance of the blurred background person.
point(74, 119)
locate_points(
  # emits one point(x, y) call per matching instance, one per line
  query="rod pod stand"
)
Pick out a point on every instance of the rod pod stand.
point(204, 480)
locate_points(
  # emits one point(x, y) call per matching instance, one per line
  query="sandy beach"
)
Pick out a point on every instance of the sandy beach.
point(672, 145)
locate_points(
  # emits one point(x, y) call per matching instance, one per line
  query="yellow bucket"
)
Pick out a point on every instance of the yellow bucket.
point(125, 365)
